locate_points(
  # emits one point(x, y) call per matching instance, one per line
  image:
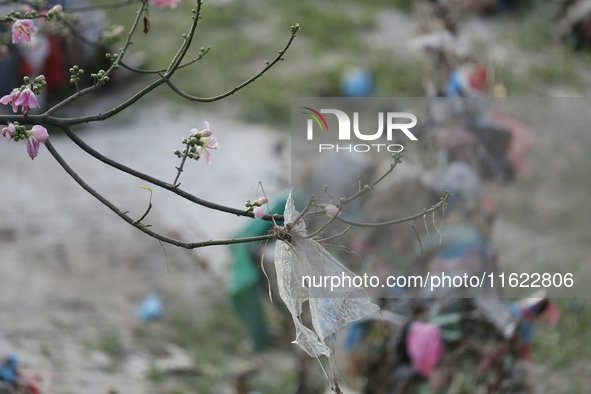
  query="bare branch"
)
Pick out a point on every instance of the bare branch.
point(237, 88)
point(88, 149)
point(139, 70)
point(408, 219)
point(140, 226)
point(334, 236)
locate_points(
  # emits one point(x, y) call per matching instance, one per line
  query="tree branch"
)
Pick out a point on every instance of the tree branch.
point(98, 84)
point(408, 219)
point(243, 84)
point(88, 149)
point(139, 70)
point(137, 224)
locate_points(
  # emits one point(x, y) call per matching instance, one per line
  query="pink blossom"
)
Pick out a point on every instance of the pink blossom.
point(331, 210)
point(40, 133)
point(11, 98)
point(22, 28)
point(9, 131)
point(206, 132)
point(208, 143)
point(27, 99)
point(424, 347)
point(165, 3)
point(36, 135)
point(258, 212)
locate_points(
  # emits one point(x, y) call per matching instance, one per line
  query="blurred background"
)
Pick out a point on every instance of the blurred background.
point(89, 304)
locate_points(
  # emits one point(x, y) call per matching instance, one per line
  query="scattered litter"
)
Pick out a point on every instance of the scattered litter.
point(424, 346)
point(9, 368)
point(15, 380)
point(149, 309)
point(330, 310)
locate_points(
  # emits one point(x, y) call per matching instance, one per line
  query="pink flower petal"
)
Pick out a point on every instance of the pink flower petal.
point(28, 23)
point(27, 99)
point(40, 133)
point(6, 99)
point(23, 99)
point(9, 131)
point(258, 212)
point(213, 143)
point(32, 147)
point(22, 28)
point(32, 101)
point(10, 97)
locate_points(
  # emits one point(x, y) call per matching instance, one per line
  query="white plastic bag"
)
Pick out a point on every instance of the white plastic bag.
point(331, 310)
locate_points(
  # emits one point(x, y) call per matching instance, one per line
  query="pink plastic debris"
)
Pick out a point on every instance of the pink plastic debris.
point(424, 347)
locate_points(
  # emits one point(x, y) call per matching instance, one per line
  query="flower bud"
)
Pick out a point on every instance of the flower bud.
point(205, 133)
point(331, 210)
point(261, 201)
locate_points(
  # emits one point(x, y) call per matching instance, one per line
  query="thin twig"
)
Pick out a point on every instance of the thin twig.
point(265, 272)
point(180, 168)
point(427, 227)
point(237, 88)
point(408, 219)
point(301, 215)
point(139, 70)
point(332, 219)
point(98, 84)
point(362, 191)
point(91, 151)
point(334, 236)
point(268, 206)
point(141, 227)
point(75, 32)
point(178, 58)
point(414, 226)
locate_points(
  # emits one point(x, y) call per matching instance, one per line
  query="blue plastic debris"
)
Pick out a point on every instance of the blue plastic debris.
point(8, 368)
point(453, 88)
point(149, 309)
point(357, 82)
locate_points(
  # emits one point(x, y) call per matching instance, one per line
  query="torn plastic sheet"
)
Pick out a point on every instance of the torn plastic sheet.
point(330, 310)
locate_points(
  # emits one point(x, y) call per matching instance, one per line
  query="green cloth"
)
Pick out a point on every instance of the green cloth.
point(246, 276)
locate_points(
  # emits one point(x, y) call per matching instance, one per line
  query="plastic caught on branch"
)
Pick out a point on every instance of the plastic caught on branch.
point(296, 257)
